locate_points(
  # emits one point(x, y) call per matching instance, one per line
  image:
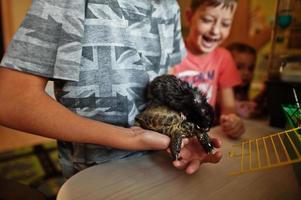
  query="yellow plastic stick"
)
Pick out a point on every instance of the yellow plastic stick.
point(266, 151)
point(242, 157)
point(250, 157)
point(285, 150)
point(258, 155)
point(293, 144)
point(276, 152)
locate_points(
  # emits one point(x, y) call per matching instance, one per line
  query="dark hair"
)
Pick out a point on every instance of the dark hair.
point(241, 91)
point(242, 48)
point(195, 4)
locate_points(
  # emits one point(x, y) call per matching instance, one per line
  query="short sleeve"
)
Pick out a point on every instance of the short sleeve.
point(48, 42)
point(228, 74)
point(178, 46)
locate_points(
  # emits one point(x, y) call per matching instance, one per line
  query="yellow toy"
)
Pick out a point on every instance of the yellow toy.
point(267, 152)
point(275, 150)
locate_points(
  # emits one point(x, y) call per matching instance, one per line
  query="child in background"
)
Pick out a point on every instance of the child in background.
point(101, 55)
point(206, 65)
point(244, 56)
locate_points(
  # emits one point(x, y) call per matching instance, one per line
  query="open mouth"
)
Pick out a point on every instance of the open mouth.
point(209, 41)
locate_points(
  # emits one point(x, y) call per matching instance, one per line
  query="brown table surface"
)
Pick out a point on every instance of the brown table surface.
point(153, 177)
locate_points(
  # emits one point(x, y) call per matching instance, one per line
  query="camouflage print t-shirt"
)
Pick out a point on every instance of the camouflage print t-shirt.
point(101, 55)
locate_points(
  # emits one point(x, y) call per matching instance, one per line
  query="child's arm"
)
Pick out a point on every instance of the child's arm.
point(231, 124)
point(24, 105)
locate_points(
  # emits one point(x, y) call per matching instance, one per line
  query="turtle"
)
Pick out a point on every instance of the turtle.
point(169, 122)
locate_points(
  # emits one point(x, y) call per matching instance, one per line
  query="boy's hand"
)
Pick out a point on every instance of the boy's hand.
point(232, 125)
point(192, 155)
point(245, 108)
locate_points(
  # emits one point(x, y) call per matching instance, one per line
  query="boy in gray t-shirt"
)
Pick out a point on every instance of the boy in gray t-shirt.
point(100, 55)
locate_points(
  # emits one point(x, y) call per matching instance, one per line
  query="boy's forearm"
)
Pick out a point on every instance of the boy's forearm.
point(39, 114)
point(227, 101)
point(25, 106)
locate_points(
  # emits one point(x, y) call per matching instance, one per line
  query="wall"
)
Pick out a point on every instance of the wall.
point(184, 5)
point(13, 12)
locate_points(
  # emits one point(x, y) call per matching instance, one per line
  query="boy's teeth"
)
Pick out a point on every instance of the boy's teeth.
point(210, 39)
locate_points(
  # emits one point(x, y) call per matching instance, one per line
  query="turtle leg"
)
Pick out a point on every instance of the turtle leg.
point(205, 141)
point(175, 146)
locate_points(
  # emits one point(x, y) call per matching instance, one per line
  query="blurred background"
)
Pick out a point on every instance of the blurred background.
point(272, 27)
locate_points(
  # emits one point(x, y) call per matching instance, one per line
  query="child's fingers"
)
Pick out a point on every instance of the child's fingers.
point(236, 130)
point(226, 126)
point(180, 164)
point(184, 142)
point(223, 119)
point(213, 158)
point(217, 143)
point(226, 121)
point(193, 166)
point(185, 154)
point(231, 122)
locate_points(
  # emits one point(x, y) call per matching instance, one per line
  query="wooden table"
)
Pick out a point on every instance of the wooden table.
point(153, 177)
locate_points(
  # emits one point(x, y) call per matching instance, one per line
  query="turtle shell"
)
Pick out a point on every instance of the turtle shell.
point(160, 119)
